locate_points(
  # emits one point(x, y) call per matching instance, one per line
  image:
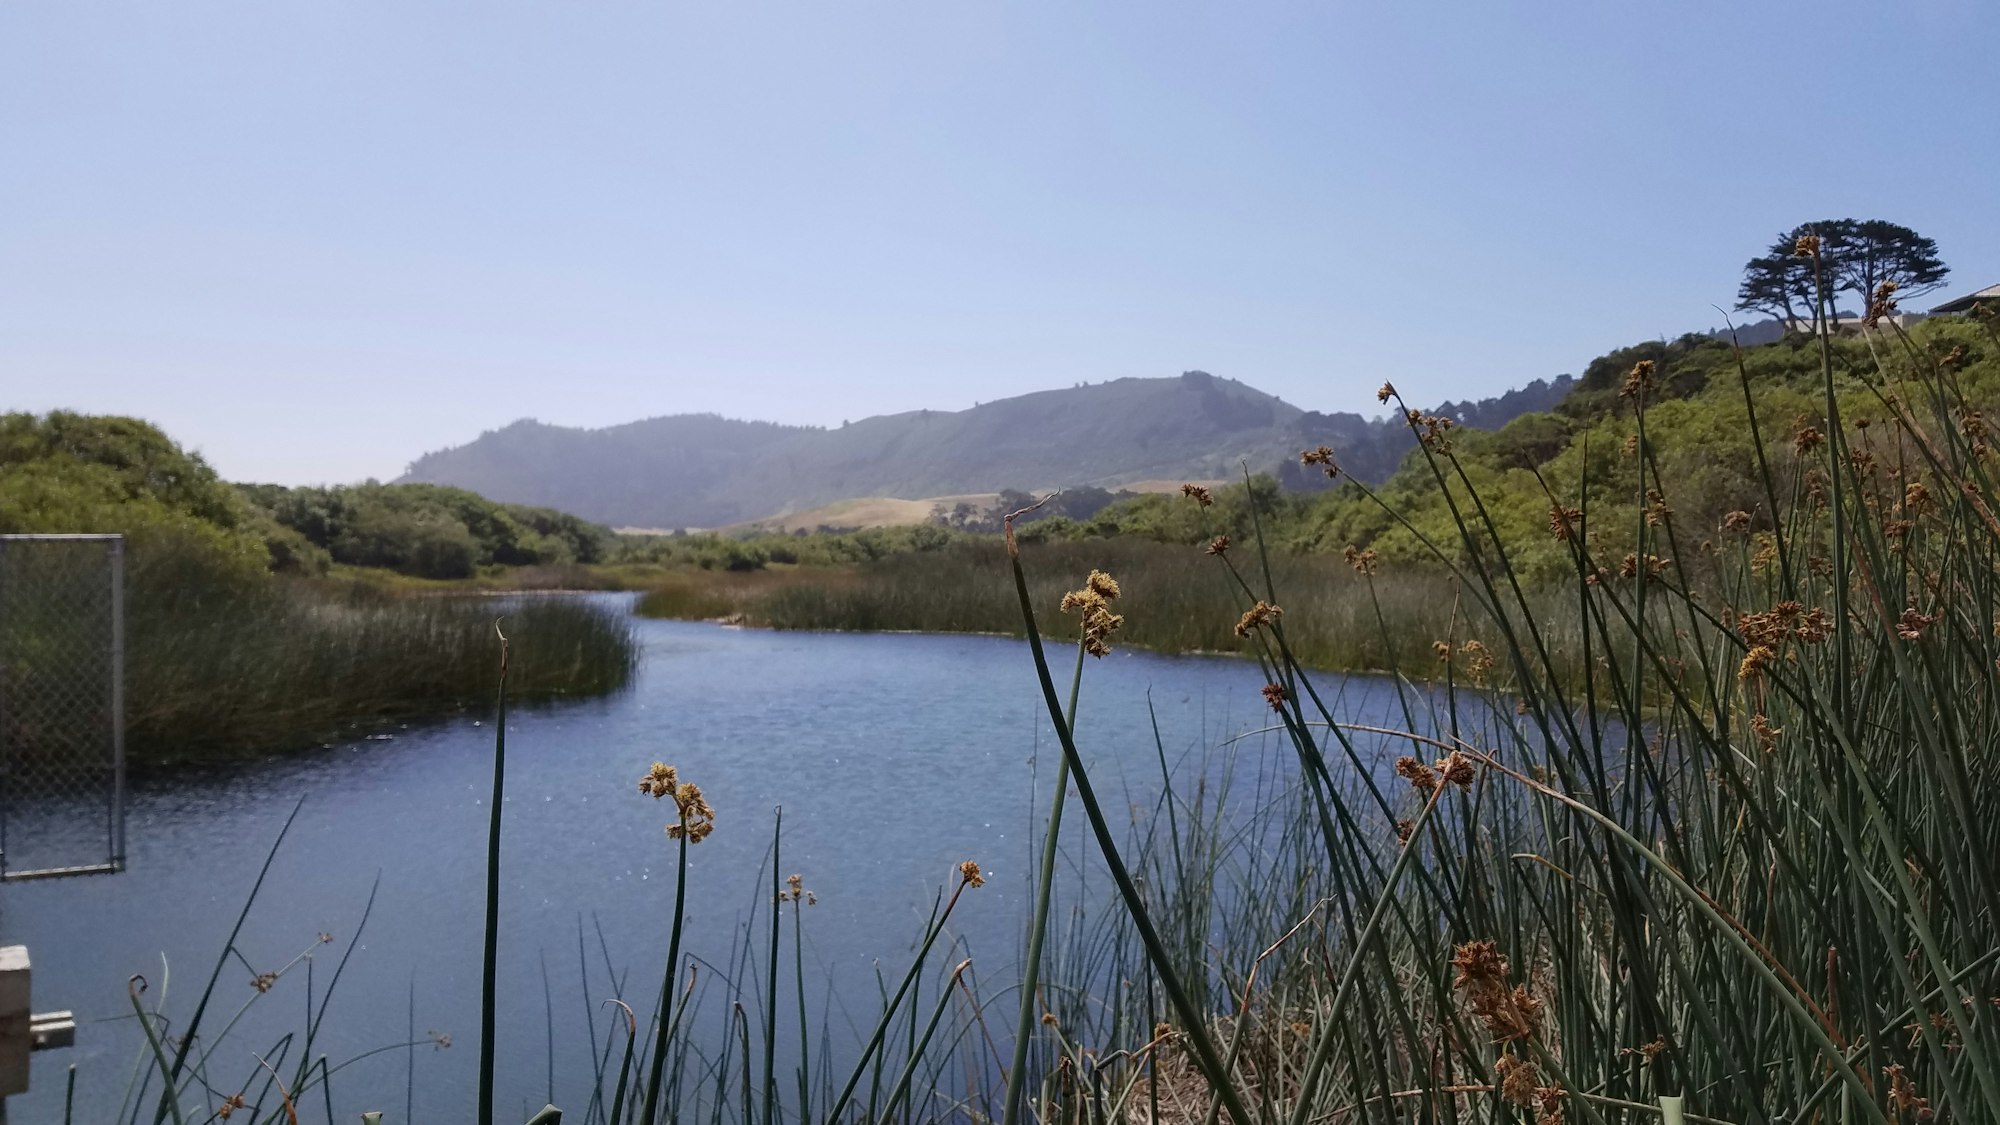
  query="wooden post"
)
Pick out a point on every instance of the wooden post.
point(22, 1031)
point(16, 1019)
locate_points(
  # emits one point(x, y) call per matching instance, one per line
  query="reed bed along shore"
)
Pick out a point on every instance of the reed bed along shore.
point(1726, 858)
point(1177, 600)
point(221, 668)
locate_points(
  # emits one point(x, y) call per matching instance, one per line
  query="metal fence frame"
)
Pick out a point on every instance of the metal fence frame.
point(115, 843)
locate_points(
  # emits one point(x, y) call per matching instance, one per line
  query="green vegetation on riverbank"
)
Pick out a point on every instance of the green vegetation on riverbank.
point(233, 648)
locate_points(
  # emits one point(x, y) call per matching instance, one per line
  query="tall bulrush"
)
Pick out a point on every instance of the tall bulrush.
point(1095, 624)
point(1721, 852)
point(694, 820)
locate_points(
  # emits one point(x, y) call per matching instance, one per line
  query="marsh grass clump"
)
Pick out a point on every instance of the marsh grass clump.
point(227, 668)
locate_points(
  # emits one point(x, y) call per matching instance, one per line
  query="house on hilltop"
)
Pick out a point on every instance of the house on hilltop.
point(1989, 297)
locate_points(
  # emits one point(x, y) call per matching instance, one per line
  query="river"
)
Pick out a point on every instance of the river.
point(894, 757)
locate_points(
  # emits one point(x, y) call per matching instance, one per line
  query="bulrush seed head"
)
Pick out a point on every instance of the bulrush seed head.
point(1638, 381)
point(795, 891)
point(1518, 1079)
point(1274, 694)
point(1102, 584)
point(1323, 457)
point(1219, 545)
point(1422, 778)
point(696, 818)
point(1478, 661)
point(1457, 769)
point(1198, 494)
point(1509, 1013)
point(1565, 522)
point(1912, 624)
point(658, 782)
point(1257, 617)
point(1903, 1094)
point(1092, 605)
point(969, 873)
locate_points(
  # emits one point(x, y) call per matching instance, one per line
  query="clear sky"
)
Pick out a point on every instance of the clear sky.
point(315, 240)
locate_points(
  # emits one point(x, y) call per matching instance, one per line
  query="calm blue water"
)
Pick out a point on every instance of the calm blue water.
point(894, 758)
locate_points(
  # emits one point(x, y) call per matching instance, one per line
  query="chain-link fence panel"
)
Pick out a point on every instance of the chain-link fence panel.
point(62, 704)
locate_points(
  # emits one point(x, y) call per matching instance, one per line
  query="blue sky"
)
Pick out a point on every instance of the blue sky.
point(315, 240)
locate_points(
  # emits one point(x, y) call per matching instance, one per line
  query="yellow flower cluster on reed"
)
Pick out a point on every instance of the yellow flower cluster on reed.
point(1432, 429)
point(1883, 304)
point(1638, 381)
point(1785, 621)
point(696, 817)
point(1092, 604)
point(1258, 616)
point(1323, 457)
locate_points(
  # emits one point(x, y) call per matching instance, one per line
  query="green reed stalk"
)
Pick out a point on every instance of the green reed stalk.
point(895, 1003)
point(169, 1096)
point(1031, 970)
point(901, 1089)
point(624, 1064)
point(170, 1075)
point(771, 988)
point(648, 1114)
point(799, 987)
point(1194, 1019)
point(490, 967)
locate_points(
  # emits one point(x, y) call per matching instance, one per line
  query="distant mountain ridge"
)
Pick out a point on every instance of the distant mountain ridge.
point(703, 470)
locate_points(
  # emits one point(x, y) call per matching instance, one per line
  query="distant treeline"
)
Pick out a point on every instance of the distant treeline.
point(1581, 454)
point(424, 530)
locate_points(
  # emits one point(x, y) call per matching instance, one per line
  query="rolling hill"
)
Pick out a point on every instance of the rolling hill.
point(703, 470)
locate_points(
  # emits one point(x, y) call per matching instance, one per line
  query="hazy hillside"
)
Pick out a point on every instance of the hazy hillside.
point(701, 470)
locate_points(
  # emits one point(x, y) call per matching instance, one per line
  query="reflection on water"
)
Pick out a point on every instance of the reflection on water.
point(894, 757)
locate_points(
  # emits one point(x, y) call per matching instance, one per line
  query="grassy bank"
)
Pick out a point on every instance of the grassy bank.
point(1176, 599)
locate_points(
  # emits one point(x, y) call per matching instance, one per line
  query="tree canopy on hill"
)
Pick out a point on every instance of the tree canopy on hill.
point(1856, 257)
point(428, 530)
point(67, 472)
